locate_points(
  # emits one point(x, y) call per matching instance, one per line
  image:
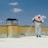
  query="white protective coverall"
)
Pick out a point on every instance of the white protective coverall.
point(38, 20)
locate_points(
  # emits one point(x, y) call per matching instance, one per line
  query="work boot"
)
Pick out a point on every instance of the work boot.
point(36, 35)
point(39, 36)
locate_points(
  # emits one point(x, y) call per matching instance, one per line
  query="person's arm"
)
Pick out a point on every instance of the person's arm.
point(33, 19)
point(42, 21)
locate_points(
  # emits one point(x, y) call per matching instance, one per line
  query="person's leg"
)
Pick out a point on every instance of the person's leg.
point(36, 30)
point(39, 31)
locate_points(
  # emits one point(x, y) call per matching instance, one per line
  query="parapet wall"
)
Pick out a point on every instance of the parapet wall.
point(3, 31)
point(15, 30)
point(26, 30)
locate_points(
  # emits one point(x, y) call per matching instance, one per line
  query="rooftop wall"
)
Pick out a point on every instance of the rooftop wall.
point(14, 30)
point(3, 31)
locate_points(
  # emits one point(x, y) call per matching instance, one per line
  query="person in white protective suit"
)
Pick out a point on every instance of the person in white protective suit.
point(38, 20)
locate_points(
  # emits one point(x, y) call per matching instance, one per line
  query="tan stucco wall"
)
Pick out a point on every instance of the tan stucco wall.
point(26, 29)
point(3, 29)
point(12, 30)
point(15, 29)
point(44, 30)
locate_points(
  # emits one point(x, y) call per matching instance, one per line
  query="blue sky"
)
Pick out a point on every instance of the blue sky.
point(23, 10)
